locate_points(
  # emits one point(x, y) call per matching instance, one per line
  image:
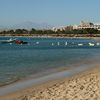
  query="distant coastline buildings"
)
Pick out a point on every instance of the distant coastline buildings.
point(82, 25)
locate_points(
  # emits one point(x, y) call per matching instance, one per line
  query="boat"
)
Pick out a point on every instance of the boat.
point(80, 44)
point(58, 43)
point(98, 44)
point(91, 44)
point(15, 41)
point(20, 42)
point(66, 43)
point(8, 41)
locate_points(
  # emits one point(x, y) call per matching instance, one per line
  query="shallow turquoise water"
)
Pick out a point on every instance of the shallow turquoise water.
point(44, 54)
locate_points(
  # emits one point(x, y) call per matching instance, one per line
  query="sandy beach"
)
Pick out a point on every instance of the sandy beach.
point(83, 86)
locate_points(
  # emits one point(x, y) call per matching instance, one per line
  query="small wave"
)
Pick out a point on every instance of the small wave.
point(9, 82)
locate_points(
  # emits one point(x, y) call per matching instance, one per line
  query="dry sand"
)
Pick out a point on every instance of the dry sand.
point(84, 86)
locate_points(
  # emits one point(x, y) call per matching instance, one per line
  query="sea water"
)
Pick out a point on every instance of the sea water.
point(41, 55)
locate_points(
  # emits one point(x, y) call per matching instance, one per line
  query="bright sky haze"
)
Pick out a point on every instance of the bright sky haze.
point(53, 12)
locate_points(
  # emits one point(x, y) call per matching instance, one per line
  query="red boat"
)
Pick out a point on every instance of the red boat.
point(20, 42)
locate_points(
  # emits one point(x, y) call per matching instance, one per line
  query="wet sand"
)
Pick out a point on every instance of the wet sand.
point(83, 86)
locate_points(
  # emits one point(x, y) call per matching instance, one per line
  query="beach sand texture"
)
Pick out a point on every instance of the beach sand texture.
point(85, 86)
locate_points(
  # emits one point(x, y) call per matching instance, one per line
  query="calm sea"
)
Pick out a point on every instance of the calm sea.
point(43, 55)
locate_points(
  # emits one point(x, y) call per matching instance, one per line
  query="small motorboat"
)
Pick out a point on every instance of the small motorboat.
point(8, 41)
point(98, 44)
point(20, 42)
point(58, 43)
point(14, 41)
point(66, 43)
point(91, 44)
point(80, 44)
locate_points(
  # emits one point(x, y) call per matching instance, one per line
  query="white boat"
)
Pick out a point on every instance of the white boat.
point(91, 44)
point(66, 43)
point(98, 44)
point(8, 41)
point(58, 43)
point(80, 44)
point(37, 42)
point(52, 44)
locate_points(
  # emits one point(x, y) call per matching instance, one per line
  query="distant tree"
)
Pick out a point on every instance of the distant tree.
point(68, 32)
point(91, 31)
point(18, 31)
point(48, 32)
point(10, 31)
point(24, 31)
point(33, 31)
point(3, 32)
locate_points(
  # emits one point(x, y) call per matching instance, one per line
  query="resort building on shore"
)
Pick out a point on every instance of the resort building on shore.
point(62, 28)
point(84, 25)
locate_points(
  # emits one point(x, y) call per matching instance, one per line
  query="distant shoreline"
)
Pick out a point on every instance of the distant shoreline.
point(52, 36)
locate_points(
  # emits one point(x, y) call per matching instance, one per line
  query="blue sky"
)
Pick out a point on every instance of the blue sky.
point(53, 12)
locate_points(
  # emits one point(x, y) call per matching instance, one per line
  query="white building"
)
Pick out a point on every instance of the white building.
point(84, 25)
point(97, 25)
point(61, 28)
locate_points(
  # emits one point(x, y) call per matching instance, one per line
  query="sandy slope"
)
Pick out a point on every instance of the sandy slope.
point(85, 86)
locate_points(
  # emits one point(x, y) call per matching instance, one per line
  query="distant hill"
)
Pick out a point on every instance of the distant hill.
point(30, 25)
point(27, 25)
point(2, 28)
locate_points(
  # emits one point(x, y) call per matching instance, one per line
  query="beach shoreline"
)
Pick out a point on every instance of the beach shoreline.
point(31, 90)
point(50, 36)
